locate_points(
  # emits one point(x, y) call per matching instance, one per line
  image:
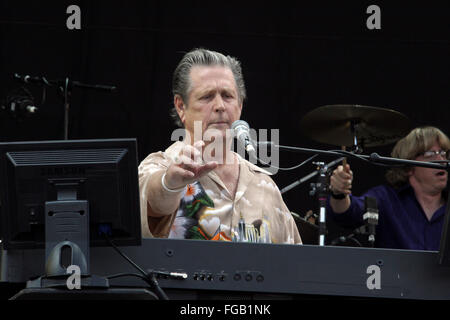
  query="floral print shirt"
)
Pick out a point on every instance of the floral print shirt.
point(208, 211)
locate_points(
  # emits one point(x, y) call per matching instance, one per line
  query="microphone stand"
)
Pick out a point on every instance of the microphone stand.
point(373, 157)
point(65, 87)
point(309, 176)
point(320, 188)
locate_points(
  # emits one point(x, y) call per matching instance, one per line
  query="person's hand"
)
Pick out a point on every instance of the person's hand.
point(188, 166)
point(341, 180)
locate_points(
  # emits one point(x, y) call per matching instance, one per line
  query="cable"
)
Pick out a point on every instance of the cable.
point(150, 278)
point(343, 239)
point(343, 152)
point(291, 168)
point(372, 158)
point(120, 275)
point(159, 293)
point(124, 256)
point(355, 240)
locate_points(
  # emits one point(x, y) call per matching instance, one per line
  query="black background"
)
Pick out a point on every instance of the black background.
point(296, 56)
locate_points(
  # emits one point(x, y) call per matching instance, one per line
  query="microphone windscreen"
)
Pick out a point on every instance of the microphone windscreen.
point(239, 123)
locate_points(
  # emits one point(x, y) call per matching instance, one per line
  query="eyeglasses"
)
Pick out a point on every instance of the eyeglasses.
point(433, 154)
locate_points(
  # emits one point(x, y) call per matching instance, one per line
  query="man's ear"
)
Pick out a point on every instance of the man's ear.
point(180, 107)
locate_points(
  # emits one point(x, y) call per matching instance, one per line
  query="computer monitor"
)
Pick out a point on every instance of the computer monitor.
point(96, 178)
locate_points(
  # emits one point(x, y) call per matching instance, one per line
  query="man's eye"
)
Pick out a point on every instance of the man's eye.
point(206, 97)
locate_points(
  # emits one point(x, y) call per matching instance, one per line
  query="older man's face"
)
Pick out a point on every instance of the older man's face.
point(213, 100)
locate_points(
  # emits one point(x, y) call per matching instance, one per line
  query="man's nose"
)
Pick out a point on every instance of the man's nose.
point(219, 105)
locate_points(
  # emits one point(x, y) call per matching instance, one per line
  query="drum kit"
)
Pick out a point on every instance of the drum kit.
point(352, 127)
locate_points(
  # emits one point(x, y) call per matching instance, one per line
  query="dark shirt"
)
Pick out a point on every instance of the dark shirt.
point(402, 223)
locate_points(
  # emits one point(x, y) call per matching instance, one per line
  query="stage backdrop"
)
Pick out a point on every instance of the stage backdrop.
point(296, 57)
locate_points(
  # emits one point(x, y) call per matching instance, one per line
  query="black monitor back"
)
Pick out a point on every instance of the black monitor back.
point(103, 172)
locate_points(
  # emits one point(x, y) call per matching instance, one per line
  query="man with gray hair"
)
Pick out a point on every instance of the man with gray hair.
point(189, 193)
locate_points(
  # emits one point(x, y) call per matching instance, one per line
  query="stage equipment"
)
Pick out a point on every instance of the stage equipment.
point(355, 126)
point(65, 197)
point(222, 270)
point(64, 88)
point(19, 104)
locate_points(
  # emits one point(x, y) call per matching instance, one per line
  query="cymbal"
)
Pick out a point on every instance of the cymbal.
point(339, 125)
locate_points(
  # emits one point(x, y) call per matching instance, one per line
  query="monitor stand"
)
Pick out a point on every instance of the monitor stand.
point(66, 248)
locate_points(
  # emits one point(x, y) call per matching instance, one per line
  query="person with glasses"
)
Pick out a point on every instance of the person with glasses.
point(411, 206)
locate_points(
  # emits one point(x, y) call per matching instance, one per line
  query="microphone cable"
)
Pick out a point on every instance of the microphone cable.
point(280, 168)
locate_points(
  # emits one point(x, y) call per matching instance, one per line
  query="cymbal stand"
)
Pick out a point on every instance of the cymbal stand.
point(353, 127)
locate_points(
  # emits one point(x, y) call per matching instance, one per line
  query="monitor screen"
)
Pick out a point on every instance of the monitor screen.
point(101, 172)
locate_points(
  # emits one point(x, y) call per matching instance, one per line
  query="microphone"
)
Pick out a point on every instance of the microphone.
point(21, 107)
point(371, 217)
point(369, 228)
point(241, 131)
point(19, 104)
point(351, 236)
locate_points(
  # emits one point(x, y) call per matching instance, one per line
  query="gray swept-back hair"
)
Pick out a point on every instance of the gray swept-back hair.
point(181, 81)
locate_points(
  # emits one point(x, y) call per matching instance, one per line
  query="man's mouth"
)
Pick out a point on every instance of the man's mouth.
point(440, 173)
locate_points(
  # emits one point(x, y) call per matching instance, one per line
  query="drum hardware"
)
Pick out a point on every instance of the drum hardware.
point(353, 126)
